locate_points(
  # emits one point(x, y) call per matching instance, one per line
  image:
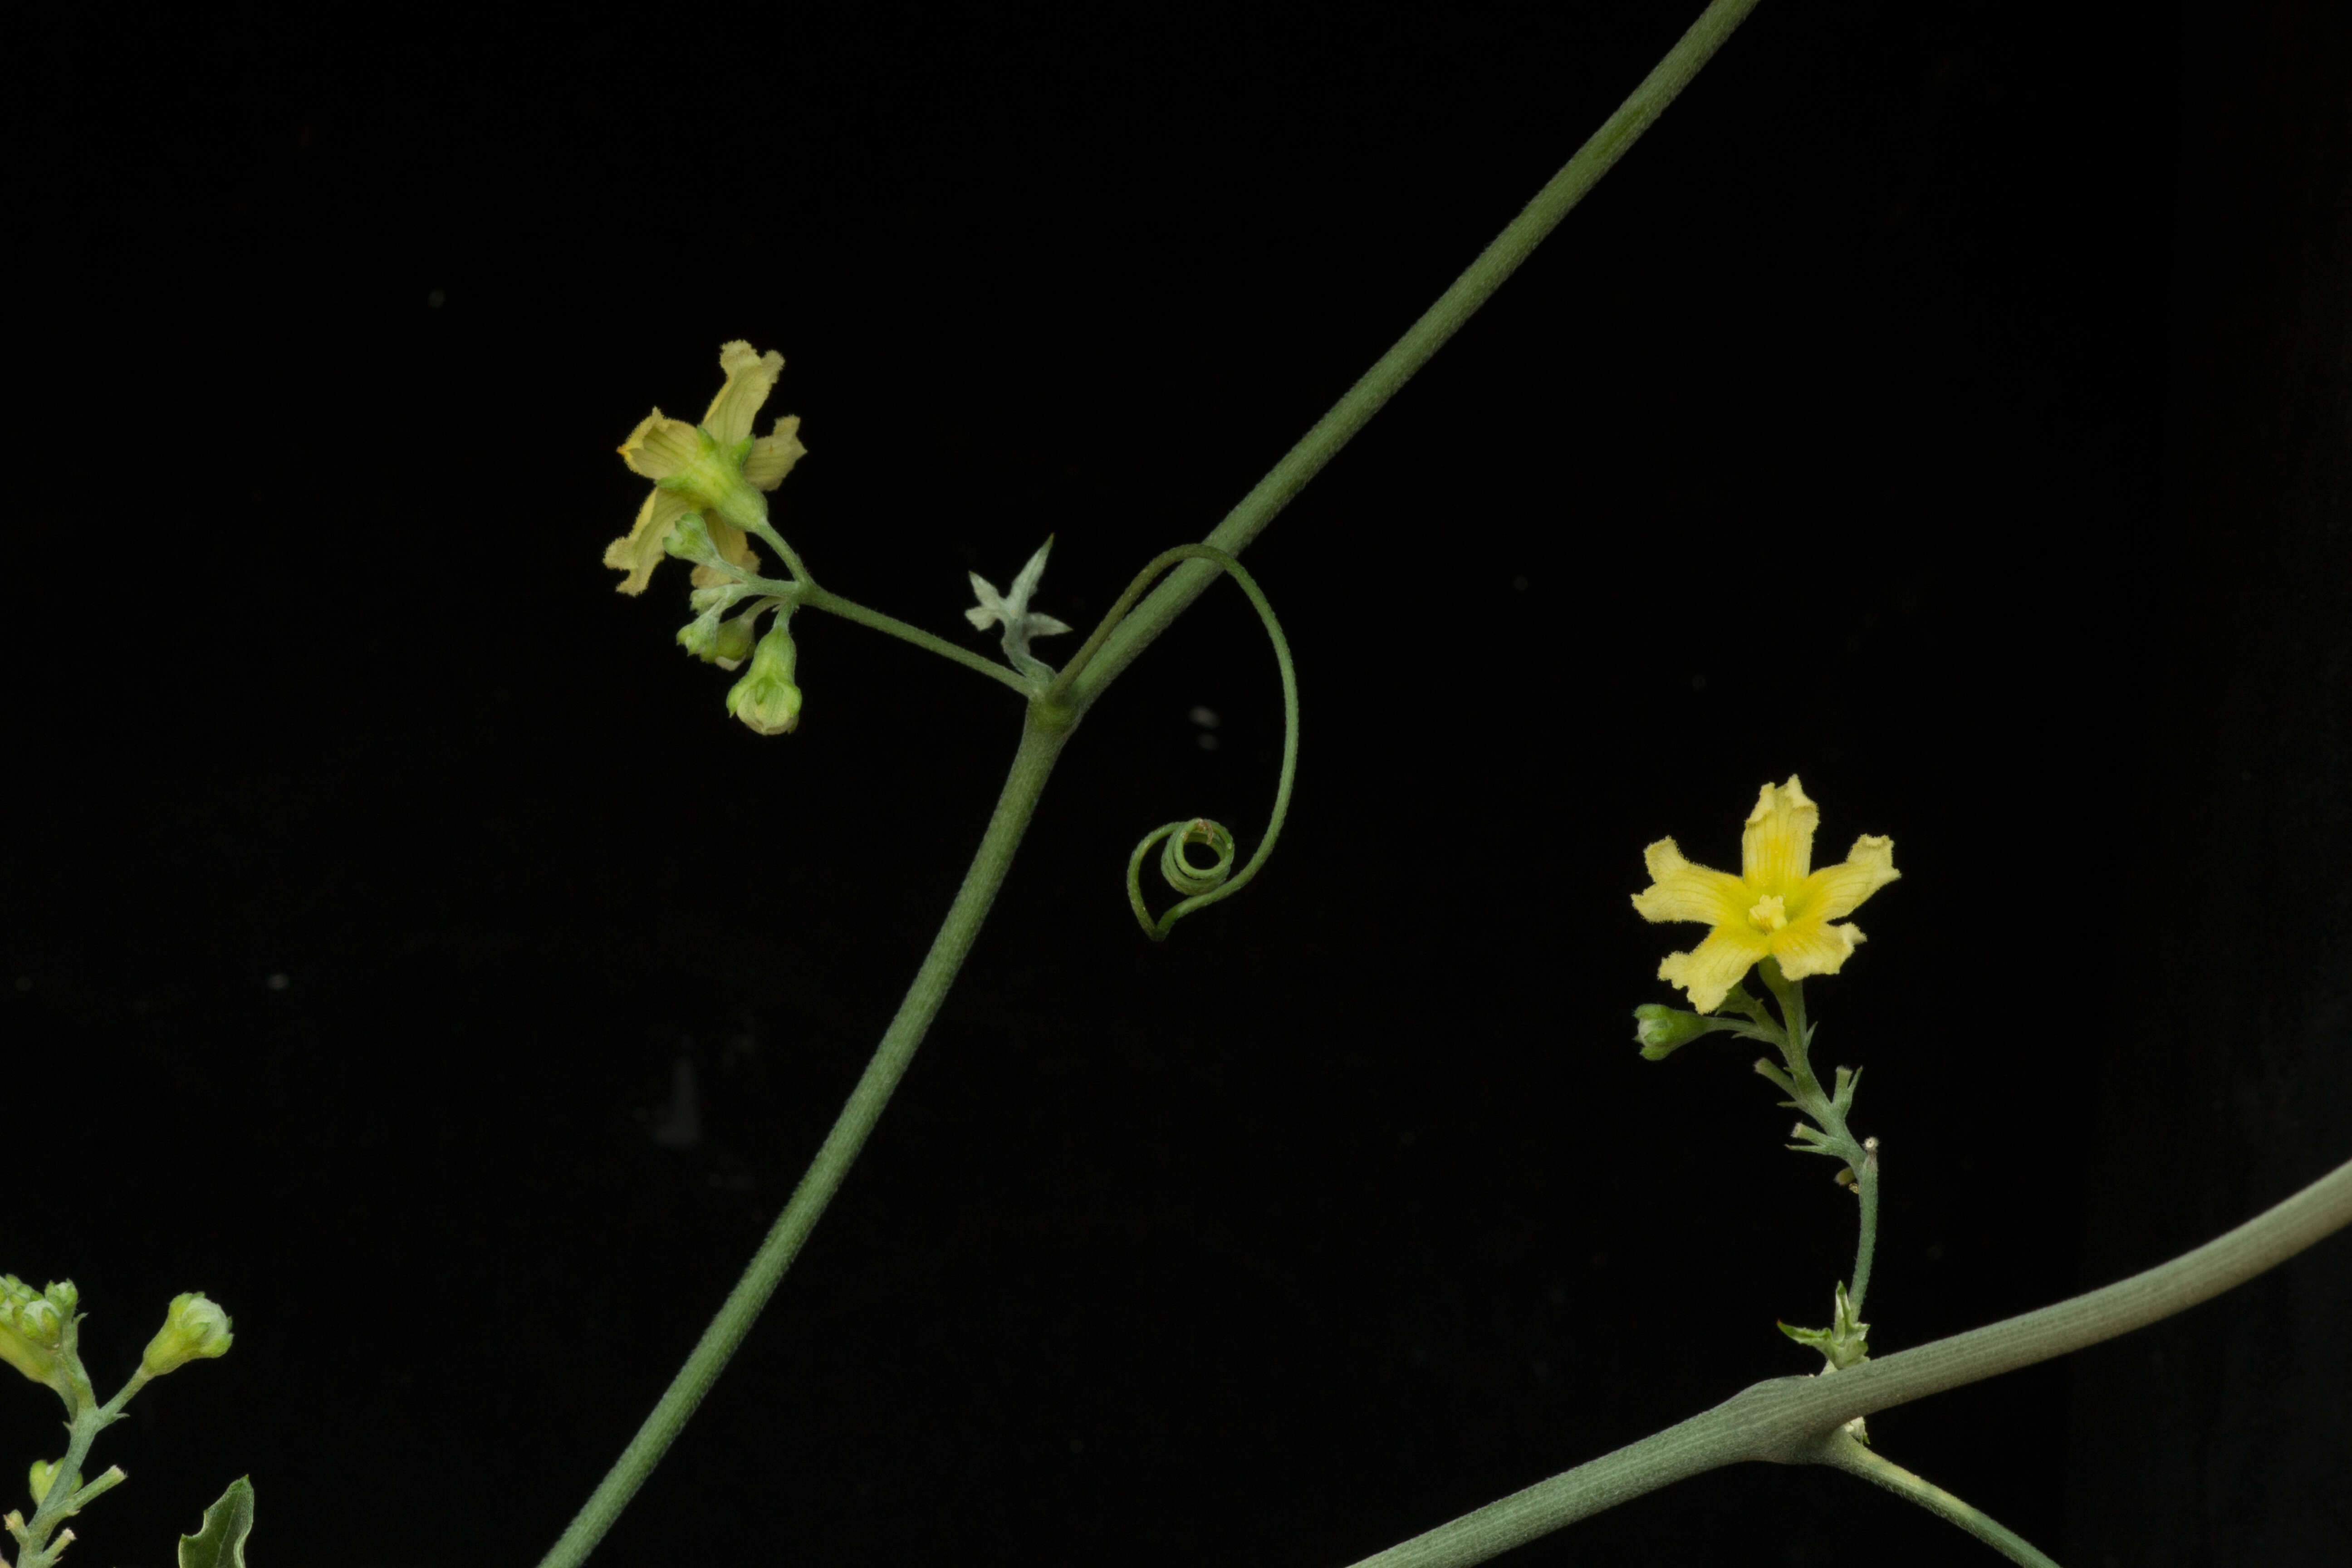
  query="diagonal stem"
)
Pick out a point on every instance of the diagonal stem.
point(1786, 1420)
point(1471, 290)
point(1840, 1451)
point(1041, 743)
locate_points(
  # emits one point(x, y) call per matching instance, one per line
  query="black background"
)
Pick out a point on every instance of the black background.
point(1949, 408)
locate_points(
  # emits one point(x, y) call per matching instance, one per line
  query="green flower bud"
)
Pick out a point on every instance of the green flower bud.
point(766, 698)
point(192, 1327)
point(733, 644)
point(690, 540)
point(33, 1330)
point(726, 643)
point(1662, 1030)
point(45, 1473)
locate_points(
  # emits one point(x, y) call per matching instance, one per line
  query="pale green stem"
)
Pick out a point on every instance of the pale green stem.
point(817, 598)
point(1423, 338)
point(1047, 727)
point(1786, 1420)
point(793, 595)
point(1041, 741)
point(89, 1419)
point(1841, 1450)
point(1806, 1089)
point(747, 509)
point(1865, 1186)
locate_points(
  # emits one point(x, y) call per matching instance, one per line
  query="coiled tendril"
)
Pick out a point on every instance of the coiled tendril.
point(1200, 886)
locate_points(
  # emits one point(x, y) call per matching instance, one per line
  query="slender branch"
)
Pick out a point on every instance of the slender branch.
point(1840, 1451)
point(817, 598)
point(1806, 1090)
point(1865, 1186)
point(1041, 743)
point(1787, 1420)
point(1477, 282)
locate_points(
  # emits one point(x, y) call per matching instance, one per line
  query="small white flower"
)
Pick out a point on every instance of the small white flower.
point(1011, 609)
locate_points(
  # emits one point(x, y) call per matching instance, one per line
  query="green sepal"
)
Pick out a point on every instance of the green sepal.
point(1737, 1000)
point(1843, 1344)
point(1842, 1096)
point(220, 1542)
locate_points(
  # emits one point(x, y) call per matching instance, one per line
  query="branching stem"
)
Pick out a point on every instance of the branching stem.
point(1041, 743)
point(1840, 1449)
point(1787, 1420)
point(1048, 726)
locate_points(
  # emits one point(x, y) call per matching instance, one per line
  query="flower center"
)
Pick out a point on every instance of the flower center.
point(1769, 915)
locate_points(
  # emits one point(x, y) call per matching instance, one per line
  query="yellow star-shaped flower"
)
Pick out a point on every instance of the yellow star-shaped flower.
point(718, 469)
point(1778, 907)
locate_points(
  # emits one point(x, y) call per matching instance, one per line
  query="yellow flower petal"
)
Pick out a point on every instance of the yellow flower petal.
point(1815, 947)
point(1710, 970)
point(1777, 849)
point(1779, 906)
point(1681, 890)
point(1840, 889)
point(750, 378)
point(772, 455)
point(659, 446)
point(640, 550)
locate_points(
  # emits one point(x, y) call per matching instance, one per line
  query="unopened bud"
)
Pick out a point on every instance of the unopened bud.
point(32, 1330)
point(726, 643)
point(192, 1329)
point(45, 1475)
point(1662, 1030)
point(766, 698)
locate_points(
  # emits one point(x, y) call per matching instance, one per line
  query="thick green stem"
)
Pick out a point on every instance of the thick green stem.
point(1041, 743)
point(1787, 1420)
point(1844, 1453)
point(1423, 338)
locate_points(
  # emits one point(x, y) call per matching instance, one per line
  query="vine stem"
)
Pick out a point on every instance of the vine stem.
point(1865, 1187)
point(1421, 340)
point(1841, 1451)
point(1049, 725)
point(1042, 739)
point(1796, 1050)
point(817, 598)
point(1787, 1420)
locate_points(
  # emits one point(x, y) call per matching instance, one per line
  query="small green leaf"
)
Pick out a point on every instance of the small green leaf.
point(220, 1544)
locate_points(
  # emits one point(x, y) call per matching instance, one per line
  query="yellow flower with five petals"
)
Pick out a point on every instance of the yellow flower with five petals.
point(716, 469)
point(1778, 907)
